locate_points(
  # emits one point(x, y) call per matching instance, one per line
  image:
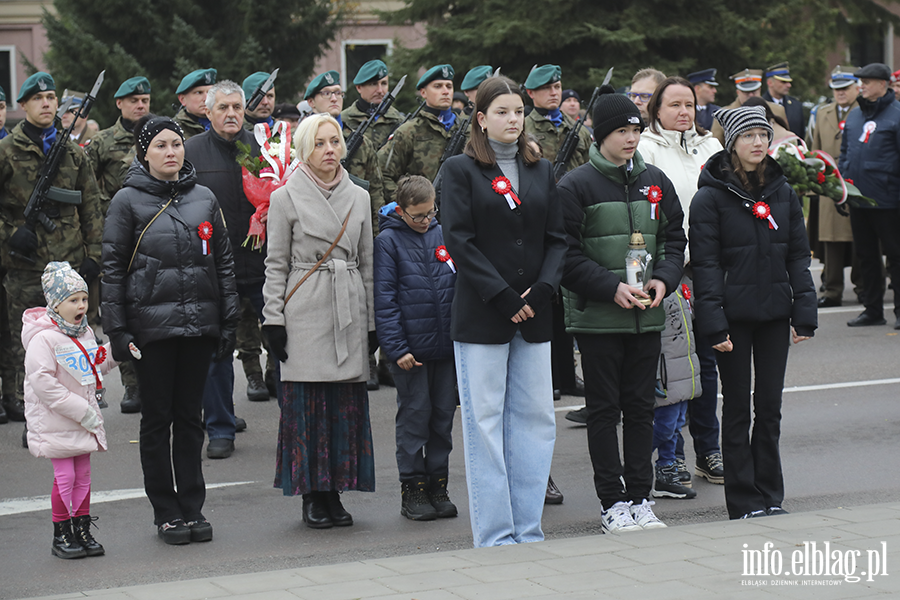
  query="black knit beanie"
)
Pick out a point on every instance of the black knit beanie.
point(613, 111)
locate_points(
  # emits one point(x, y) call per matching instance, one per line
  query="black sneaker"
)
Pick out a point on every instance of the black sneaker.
point(711, 467)
point(256, 388)
point(415, 504)
point(667, 484)
point(440, 499)
point(684, 474)
point(201, 530)
point(578, 416)
point(220, 448)
point(175, 532)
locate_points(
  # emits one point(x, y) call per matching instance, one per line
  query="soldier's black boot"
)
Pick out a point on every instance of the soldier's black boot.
point(64, 543)
point(3, 417)
point(440, 499)
point(82, 528)
point(131, 402)
point(15, 408)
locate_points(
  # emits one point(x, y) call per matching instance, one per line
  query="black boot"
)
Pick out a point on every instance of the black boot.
point(339, 515)
point(131, 402)
point(440, 499)
point(15, 409)
point(82, 528)
point(315, 511)
point(64, 543)
point(414, 502)
point(3, 417)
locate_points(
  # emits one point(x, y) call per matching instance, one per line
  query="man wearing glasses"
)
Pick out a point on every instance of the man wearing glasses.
point(643, 84)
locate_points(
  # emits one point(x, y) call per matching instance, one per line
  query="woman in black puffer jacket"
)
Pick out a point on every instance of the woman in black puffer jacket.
point(169, 300)
point(752, 292)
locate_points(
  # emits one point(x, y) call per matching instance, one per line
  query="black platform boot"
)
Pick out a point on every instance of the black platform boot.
point(82, 528)
point(65, 544)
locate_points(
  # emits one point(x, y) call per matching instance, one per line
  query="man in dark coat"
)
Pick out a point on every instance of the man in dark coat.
point(778, 80)
point(705, 85)
point(213, 155)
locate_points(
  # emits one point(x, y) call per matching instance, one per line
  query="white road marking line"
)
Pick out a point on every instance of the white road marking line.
point(14, 506)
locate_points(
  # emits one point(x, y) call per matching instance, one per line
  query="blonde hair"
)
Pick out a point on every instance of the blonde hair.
point(305, 136)
point(658, 76)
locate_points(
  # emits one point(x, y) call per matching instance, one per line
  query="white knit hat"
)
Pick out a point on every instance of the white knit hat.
point(736, 121)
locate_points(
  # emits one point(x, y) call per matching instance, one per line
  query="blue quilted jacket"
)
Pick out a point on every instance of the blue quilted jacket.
point(413, 290)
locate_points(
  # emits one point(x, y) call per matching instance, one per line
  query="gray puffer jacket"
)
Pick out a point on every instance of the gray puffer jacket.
point(679, 367)
point(173, 289)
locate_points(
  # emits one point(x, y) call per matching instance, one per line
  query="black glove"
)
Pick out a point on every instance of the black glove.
point(275, 337)
point(373, 343)
point(539, 297)
point(227, 342)
point(508, 303)
point(90, 270)
point(119, 345)
point(24, 241)
point(842, 209)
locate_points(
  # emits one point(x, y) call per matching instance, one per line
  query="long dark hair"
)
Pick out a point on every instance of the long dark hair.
point(751, 184)
point(478, 146)
point(656, 101)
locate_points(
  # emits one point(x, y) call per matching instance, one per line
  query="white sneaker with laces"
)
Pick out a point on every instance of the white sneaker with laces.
point(643, 516)
point(618, 518)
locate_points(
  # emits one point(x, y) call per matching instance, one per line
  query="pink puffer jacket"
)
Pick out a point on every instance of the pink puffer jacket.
point(55, 399)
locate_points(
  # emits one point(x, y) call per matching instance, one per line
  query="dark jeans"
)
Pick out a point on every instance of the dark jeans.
point(171, 376)
point(426, 403)
point(871, 225)
point(703, 419)
point(619, 378)
point(562, 351)
point(753, 478)
point(218, 397)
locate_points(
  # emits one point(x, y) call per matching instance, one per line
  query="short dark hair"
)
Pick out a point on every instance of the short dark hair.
point(478, 146)
point(656, 101)
point(413, 190)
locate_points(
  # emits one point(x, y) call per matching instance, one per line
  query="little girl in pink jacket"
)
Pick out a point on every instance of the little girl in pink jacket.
point(63, 372)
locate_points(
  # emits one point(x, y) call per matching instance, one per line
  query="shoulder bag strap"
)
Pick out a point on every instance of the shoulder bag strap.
point(138, 245)
point(321, 260)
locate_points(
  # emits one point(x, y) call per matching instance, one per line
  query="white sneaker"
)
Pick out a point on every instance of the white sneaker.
point(618, 518)
point(643, 516)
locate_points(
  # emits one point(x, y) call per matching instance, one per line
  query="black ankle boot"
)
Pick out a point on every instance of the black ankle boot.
point(339, 515)
point(82, 528)
point(315, 511)
point(65, 544)
point(440, 499)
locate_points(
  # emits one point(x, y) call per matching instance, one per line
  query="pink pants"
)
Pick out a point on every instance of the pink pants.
point(71, 495)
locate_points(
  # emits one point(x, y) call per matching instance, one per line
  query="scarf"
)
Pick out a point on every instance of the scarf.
point(447, 118)
point(554, 116)
point(3, 132)
point(67, 328)
point(327, 188)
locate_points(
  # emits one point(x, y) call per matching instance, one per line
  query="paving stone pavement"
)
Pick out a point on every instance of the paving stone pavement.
point(828, 554)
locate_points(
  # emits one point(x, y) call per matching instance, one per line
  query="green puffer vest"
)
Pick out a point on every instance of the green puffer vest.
point(613, 193)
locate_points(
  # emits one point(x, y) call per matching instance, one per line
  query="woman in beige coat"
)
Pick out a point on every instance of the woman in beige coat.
point(320, 330)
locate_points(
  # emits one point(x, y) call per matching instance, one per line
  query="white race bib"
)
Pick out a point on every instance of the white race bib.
point(72, 359)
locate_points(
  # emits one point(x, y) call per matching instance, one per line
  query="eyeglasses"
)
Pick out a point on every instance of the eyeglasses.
point(645, 96)
point(336, 94)
point(749, 138)
point(421, 218)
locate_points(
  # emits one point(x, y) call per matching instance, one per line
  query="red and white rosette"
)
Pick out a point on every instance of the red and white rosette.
point(761, 211)
point(442, 255)
point(277, 155)
point(868, 130)
point(205, 231)
point(503, 187)
point(654, 195)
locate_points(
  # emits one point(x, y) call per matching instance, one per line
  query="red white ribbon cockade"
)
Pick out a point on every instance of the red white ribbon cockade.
point(868, 129)
point(654, 195)
point(442, 255)
point(277, 155)
point(503, 187)
point(761, 211)
point(205, 232)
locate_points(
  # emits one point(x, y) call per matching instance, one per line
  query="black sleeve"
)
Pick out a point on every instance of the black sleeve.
point(709, 277)
point(118, 246)
point(804, 313)
point(229, 303)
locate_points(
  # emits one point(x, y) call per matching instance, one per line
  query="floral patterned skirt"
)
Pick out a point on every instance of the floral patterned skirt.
point(324, 438)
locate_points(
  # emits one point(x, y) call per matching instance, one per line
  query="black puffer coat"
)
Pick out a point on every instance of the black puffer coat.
point(743, 270)
point(172, 288)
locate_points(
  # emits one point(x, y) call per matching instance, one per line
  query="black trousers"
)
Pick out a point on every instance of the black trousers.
point(753, 478)
point(619, 377)
point(562, 351)
point(171, 377)
point(871, 225)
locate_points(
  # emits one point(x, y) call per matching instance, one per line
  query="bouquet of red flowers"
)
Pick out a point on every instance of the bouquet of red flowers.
point(816, 172)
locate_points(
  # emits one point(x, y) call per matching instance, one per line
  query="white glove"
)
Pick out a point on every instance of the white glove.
point(91, 420)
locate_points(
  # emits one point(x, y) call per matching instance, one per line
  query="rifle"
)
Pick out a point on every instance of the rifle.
point(43, 188)
point(571, 141)
point(356, 138)
point(409, 117)
point(260, 92)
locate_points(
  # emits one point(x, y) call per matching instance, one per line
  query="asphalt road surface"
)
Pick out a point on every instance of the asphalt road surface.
point(839, 448)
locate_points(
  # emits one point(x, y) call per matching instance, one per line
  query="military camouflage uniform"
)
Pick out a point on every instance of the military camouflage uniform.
point(188, 124)
point(110, 153)
point(415, 149)
point(364, 165)
point(379, 131)
point(78, 233)
point(551, 138)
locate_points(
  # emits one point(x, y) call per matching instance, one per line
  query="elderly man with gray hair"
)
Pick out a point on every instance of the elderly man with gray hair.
point(213, 154)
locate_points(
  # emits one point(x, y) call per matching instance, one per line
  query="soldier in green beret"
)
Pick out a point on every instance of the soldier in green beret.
point(191, 94)
point(75, 211)
point(372, 85)
point(473, 79)
point(263, 112)
point(110, 153)
point(416, 148)
point(546, 122)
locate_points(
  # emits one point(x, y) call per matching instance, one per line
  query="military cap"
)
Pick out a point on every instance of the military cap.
point(707, 76)
point(781, 72)
point(542, 76)
point(371, 71)
point(871, 71)
point(475, 76)
point(2, 94)
point(748, 80)
point(196, 78)
point(39, 82)
point(135, 85)
point(328, 78)
point(77, 101)
point(254, 81)
point(435, 73)
point(842, 77)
